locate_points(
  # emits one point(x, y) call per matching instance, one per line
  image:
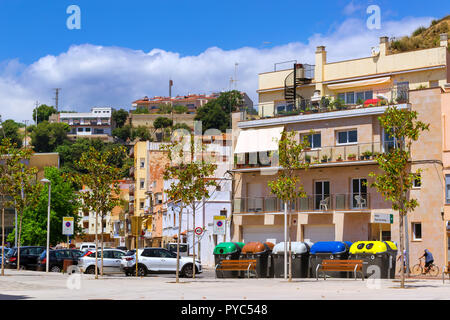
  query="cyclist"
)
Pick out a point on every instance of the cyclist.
point(428, 260)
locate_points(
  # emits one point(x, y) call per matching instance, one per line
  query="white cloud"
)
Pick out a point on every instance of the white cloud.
point(351, 8)
point(91, 75)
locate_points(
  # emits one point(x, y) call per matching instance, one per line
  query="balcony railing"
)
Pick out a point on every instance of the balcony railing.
point(381, 97)
point(310, 203)
point(330, 154)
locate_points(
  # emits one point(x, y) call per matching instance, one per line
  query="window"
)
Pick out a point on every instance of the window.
point(158, 198)
point(141, 205)
point(355, 97)
point(350, 97)
point(87, 129)
point(142, 184)
point(417, 230)
point(447, 188)
point(151, 253)
point(315, 140)
point(417, 182)
point(80, 129)
point(118, 254)
point(434, 83)
point(322, 195)
point(359, 193)
point(344, 137)
point(142, 163)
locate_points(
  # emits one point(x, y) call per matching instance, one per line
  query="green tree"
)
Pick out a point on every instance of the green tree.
point(182, 126)
point(396, 179)
point(142, 133)
point(123, 133)
point(23, 190)
point(43, 112)
point(162, 123)
point(100, 188)
point(229, 101)
point(120, 117)
point(140, 110)
point(180, 109)
point(213, 116)
point(10, 157)
point(63, 203)
point(188, 180)
point(46, 137)
point(11, 130)
point(165, 108)
point(288, 187)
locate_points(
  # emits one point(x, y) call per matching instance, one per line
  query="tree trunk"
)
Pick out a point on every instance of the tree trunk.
point(3, 236)
point(101, 239)
point(178, 247)
point(96, 245)
point(19, 241)
point(290, 249)
point(193, 242)
point(402, 271)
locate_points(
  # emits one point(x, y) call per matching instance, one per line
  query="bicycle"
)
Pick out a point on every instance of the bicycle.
point(418, 269)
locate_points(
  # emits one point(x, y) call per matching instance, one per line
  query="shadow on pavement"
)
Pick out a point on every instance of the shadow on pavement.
point(12, 297)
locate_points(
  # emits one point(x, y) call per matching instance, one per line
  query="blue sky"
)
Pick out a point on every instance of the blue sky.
point(127, 49)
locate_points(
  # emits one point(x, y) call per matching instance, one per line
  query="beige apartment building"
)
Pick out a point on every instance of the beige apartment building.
point(340, 204)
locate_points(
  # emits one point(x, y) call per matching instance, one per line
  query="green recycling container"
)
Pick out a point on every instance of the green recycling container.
point(379, 258)
point(227, 251)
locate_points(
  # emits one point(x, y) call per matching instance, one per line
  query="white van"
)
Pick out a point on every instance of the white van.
point(87, 246)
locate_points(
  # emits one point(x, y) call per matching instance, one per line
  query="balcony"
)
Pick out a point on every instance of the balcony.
point(338, 155)
point(381, 97)
point(320, 203)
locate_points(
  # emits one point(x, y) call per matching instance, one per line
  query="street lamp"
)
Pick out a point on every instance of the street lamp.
point(45, 181)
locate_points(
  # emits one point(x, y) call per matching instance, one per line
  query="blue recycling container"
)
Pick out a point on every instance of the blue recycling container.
point(328, 250)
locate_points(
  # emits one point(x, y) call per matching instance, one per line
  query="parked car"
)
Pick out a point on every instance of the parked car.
point(111, 261)
point(122, 248)
point(87, 246)
point(172, 246)
point(158, 260)
point(4, 254)
point(57, 257)
point(28, 257)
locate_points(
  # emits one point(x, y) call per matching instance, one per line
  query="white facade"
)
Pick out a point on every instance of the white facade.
point(96, 122)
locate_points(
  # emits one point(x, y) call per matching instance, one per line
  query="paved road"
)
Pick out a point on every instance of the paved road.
point(55, 286)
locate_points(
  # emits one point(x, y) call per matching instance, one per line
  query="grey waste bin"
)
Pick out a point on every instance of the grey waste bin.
point(300, 259)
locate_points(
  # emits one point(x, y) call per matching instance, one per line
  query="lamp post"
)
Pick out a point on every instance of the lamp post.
point(45, 181)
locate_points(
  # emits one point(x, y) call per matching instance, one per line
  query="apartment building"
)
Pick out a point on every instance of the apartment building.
point(217, 149)
point(95, 124)
point(340, 204)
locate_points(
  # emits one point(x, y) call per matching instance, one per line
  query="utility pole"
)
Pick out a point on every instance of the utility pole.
point(170, 99)
point(56, 98)
point(37, 106)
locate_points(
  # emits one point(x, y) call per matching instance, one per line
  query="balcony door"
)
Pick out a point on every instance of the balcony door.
point(322, 199)
point(359, 193)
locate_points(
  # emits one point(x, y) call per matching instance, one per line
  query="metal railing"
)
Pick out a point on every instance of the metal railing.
point(330, 154)
point(302, 106)
point(310, 203)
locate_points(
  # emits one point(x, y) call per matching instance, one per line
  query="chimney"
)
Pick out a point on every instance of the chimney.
point(321, 61)
point(384, 46)
point(444, 39)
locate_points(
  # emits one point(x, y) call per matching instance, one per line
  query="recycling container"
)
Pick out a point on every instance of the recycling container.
point(300, 259)
point(227, 251)
point(379, 257)
point(328, 250)
point(261, 252)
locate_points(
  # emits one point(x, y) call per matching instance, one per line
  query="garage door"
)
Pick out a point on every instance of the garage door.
point(322, 232)
point(274, 234)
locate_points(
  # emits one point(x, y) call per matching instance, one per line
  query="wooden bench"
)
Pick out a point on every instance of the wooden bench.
point(237, 265)
point(340, 265)
point(446, 270)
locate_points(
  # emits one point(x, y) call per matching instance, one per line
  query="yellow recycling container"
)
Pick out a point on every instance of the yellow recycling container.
point(379, 258)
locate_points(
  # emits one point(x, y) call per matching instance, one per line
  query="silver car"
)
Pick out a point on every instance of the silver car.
point(111, 261)
point(158, 260)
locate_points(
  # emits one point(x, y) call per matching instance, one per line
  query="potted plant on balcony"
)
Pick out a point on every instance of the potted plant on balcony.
point(316, 159)
point(308, 110)
point(308, 159)
point(351, 157)
point(324, 158)
point(367, 155)
point(339, 158)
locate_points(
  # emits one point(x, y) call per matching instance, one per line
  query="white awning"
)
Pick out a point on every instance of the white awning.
point(256, 140)
point(360, 83)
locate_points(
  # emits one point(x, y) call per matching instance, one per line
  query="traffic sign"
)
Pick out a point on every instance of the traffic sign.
point(219, 225)
point(67, 226)
point(198, 231)
point(383, 218)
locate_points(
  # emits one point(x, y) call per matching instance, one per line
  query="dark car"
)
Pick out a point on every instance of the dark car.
point(57, 257)
point(28, 257)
